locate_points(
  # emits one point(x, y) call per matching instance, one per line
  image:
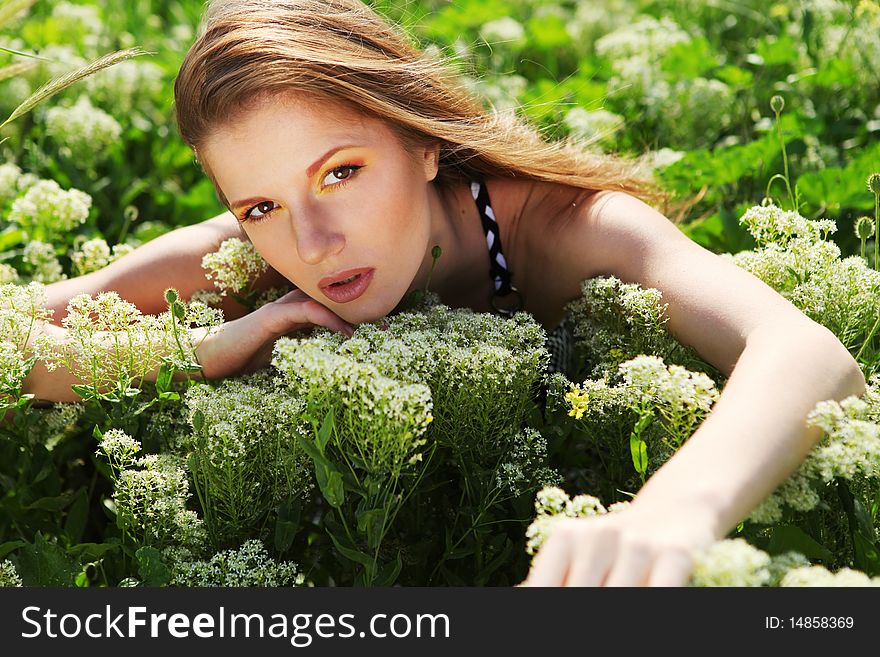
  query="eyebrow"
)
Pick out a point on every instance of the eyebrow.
point(312, 169)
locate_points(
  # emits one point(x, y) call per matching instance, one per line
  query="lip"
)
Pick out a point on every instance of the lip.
point(341, 276)
point(349, 291)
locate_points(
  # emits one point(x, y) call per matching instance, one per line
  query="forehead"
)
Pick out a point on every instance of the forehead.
point(305, 124)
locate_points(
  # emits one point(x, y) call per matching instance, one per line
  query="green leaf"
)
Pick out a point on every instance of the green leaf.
point(77, 516)
point(10, 546)
point(372, 523)
point(10, 237)
point(789, 537)
point(287, 524)
point(53, 504)
point(867, 555)
point(325, 431)
point(151, 568)
point(350, 552)
point(92, 551)
point(330, 483)
point(311, 449)
point(163, 378)
point(388, 574)
point(84, 391)
point(42, 563)
point(198, 420)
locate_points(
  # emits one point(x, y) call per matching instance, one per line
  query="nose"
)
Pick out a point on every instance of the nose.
point(316, 239)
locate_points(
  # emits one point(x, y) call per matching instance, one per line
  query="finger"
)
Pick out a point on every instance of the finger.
point(320, 315)
point(594, 555)
point(551, 563)
point(671, 568)
point(631, 568)
point(282, 318)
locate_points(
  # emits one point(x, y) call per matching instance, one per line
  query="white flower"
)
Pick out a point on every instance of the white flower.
point(8, 575)
point(234, 266)
point(82, 130)
point(250, 565)
point(53, 209)
point(598, 125)
point(505, 30)
point(9, 175)
point(731, 563)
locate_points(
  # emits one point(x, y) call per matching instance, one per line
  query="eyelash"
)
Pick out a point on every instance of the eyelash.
point(342, 183)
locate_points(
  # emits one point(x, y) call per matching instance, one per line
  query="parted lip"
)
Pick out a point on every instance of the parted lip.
point(341, 276)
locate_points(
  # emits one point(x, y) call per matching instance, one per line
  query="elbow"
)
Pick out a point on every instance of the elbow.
point(842, 366)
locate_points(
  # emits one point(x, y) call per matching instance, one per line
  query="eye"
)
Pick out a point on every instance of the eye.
point(340, 175)
point(260, 210)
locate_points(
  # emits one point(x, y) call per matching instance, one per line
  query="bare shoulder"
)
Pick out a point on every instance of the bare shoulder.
point(713, 305)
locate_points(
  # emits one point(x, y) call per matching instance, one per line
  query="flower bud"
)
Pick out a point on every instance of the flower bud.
point(777, 103)
point(864, 227)
point(171, 295)
point(873, 183)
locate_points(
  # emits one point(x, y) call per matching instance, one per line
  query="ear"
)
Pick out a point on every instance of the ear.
point(431, 160)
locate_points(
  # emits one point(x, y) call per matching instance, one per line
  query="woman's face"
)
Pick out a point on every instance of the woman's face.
point(325, 193)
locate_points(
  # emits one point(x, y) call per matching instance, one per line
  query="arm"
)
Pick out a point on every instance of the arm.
point(237, 347)
point(171, 260)
point(780, 364)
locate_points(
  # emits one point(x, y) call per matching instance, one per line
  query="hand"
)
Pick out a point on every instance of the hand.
point(632, 547)
point(245, 344)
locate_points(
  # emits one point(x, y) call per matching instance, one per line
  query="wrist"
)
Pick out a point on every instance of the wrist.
point(693, 505)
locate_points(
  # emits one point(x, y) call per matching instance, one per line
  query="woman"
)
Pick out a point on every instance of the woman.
point(345, 155)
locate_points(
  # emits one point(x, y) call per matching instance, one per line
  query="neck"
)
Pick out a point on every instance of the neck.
point(452, 210)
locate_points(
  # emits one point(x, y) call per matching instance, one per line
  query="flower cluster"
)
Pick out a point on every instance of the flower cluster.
point(731, 563)
point(246, 457)
point(380, 419)
point(82, 131)
point(8, 274)
point(505, 32)
point(150, 498)
point(8, 576)
point(110, 343)
point(127, 85)
point(523, 467)
point(553, 504)
point(841, 294)
point(770, 224)
point(821, 576)
point(688, 110)
point(480, 369)
point(615, 321)
point(641, 43)
point(849, 450)
point(591, 22)
point(250, 565)
point(234, 266)
point(597, 126)
point(22, 308)
point(9, 176)
point(680, 391)
point(43, 262)
point(119, 449)
point(96, 254)
point(46, 209)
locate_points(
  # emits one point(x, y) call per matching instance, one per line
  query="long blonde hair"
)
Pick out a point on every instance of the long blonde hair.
point(344, 52)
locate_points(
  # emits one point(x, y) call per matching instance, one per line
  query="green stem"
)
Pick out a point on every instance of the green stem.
point(785, 163)
point(876, 231)
point(870, 335)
